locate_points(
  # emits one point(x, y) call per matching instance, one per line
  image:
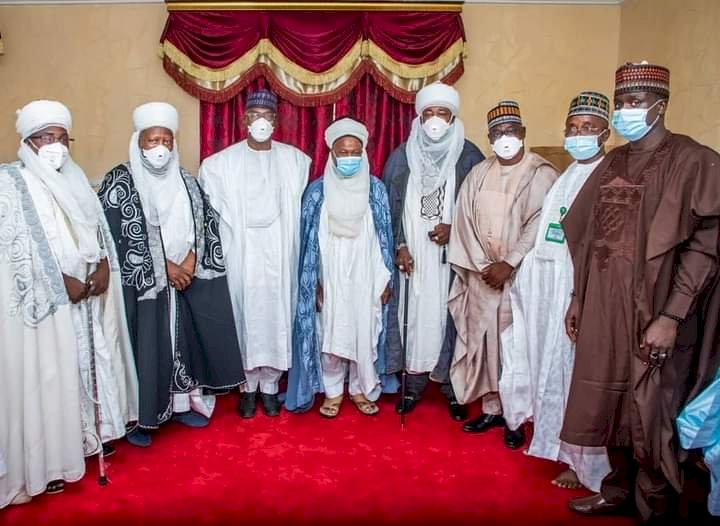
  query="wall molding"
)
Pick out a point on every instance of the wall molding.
point(467, 2)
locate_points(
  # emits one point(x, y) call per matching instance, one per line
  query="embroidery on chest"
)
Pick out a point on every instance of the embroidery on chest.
point(431, 205)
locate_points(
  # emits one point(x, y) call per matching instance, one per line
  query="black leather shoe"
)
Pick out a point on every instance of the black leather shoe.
point(246, 406)
point(458, 412)
point(406, 405)
point(514, 439)
point(596, 505)
point(270, 404)
point(483, 423)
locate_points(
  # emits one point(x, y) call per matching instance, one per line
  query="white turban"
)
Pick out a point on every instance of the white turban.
point(40, 114)
point(156, 114)
point(157, 189)
point(346, 198)
point(437, 94)
point(346, 127)
point(68, 185)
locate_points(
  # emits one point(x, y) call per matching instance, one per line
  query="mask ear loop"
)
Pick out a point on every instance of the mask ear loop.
point(657, 117)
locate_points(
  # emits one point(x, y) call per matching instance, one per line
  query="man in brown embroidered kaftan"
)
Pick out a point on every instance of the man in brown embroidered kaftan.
point(643, 234)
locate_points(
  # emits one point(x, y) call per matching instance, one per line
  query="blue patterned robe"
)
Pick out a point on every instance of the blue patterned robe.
point(305, 376)
point(699, 427)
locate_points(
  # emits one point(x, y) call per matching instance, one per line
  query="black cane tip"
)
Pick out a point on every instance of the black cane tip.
point(102, 480)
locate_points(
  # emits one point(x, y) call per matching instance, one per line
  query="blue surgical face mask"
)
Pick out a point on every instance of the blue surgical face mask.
point(631, 123)
point(348, 166)
point(583, 147)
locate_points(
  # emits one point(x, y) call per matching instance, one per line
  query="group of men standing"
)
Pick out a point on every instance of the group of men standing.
point(584, 302)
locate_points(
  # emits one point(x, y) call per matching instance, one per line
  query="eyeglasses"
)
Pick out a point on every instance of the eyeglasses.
point(496, 134)
point(50, 138)
point(585, 129)
point(255, 115)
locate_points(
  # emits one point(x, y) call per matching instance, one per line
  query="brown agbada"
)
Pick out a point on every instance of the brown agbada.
point(643, 234)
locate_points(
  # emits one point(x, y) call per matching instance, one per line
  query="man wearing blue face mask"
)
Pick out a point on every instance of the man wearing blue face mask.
point(346, 260)
point(536, 342)
point(643, 234)
point(423, 177)
point(494, 226)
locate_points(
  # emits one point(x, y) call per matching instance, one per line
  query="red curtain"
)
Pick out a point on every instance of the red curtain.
point(214, 56)
point(221, 124)
point(387, 119)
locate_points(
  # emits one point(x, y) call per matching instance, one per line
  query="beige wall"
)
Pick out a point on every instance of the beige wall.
point(541, 56)
point(682, 35)
point(102, 61)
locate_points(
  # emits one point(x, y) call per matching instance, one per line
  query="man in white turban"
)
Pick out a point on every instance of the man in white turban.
point(62, 323)
point(173, 275)
point(256, 187)
point(423, 177)
point(346, 262)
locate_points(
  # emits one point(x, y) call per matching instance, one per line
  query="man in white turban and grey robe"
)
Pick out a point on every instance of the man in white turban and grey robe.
point(423, 177)
point(173, 275)
point(256, 187)
point(62, 323)
point(345, 282)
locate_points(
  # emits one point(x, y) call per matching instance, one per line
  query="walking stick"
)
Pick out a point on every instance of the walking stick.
point(403, 377)
point(102, 477)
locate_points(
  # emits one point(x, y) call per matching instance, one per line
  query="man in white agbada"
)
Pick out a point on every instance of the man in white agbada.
point(176, 296)
point(345, 275)
point(256, 187)
point(423, 177)
point(62, 313)
point(538, 355)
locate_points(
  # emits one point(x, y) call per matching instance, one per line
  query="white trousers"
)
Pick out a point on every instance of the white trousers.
point(491, 404)
point(195, 401)
point(265, 378)
point(335, 370)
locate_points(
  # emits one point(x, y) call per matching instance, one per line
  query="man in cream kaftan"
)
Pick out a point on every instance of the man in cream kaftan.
point(496, 219)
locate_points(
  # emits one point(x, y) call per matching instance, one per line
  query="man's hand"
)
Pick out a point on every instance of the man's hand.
point(179, 277)
point(572, 318)
point(76, 289)
point(189, 263)
point(496, 274)
point(385, 296)
point(440, 234)
point(658, 341)
point(97, 282)
point(318, 297)
point(404, 260)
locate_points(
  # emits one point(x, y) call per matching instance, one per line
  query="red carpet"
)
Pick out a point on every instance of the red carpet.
point(304, 469)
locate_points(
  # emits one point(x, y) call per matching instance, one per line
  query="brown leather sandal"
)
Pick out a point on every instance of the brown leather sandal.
point(331, 406)
point(364, 405)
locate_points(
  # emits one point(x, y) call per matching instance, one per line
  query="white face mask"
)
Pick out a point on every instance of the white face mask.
point(261, 129)
point(158, 157)
point(507, 146)
point(55, 154)
point(435, 128)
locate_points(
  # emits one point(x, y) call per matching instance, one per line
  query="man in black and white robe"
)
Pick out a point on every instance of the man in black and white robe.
point(173, 272)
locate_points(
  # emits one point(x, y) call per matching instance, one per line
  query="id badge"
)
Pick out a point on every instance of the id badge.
point(555, 234)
